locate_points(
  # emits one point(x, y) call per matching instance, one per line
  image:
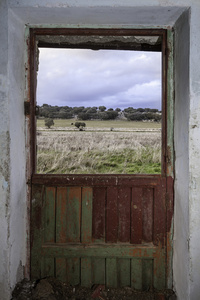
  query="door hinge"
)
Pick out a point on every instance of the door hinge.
point(27, 109)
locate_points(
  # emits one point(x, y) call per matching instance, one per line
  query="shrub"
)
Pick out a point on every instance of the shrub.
point(80, 125)
point(49, 122)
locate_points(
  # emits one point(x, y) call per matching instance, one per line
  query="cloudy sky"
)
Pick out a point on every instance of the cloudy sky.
point(76, 77)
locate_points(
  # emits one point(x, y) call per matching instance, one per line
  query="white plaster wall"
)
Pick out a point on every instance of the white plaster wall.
point(97, 12)
point(12, 159)
point(4, 157)
point(181, 143)
point(18, 203)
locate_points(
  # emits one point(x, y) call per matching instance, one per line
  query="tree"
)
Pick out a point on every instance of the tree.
point(49, 122)
point(140, 109)
point(102, 108)
point(83, 116)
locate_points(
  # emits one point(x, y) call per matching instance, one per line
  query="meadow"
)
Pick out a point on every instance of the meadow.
point(127, 148)
point(97, 124)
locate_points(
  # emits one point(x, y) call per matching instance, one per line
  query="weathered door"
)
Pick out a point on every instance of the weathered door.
point(103, 229)
point(100, 230)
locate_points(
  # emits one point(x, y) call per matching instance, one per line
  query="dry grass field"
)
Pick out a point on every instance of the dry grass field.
point(98, 150)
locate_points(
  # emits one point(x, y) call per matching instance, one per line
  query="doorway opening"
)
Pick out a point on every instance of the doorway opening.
point(93, 228)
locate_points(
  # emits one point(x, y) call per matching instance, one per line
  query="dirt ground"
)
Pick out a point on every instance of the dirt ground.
point(52, 289)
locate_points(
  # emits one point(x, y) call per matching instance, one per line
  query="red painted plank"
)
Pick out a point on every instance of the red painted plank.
point(136, 216)
point(159, 213)
point(86, 217)
point(112, 215)
point(98, 218)
point(124, 201)
point(147, 209)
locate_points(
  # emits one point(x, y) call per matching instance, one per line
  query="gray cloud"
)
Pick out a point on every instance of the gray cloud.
point(112, 78)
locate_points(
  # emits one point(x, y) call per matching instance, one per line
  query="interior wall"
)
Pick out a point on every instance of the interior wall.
point(4, 150)
point(18, 201)
point(13, 217)
point(181, 143)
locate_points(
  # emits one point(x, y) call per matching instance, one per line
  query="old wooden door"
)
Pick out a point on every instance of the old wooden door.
point(103, 229)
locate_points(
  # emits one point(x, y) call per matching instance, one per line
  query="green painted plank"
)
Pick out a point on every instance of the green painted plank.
point(73, 271)
point(136, 274)
point(61, 211)
point(101, 251)
point(124, 271)
point(86, 221)
point(86, 272)
point(49, 215)
point(47, 267)
point(73, 216)
point(111, 272)
point(60, 269)
point(159, 270)
point(98, 270)
point(36, 231)
point(147, 274)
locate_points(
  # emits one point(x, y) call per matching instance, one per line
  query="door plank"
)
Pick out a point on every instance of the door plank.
point(136, 274)
point(124, 272)
point(136, 216)
point(86, 272)
point(98, 270)
point(147, 210)
point(49, 215)
point(61, 212)
point(111, 272)
point(159, 213)
point(159, 269)
point(73, 217)
point(48, 267)
point(60, 269)
point(73, 271)
point(124, 198)
point(86, 218)
point(98, 220)
point(147, 274)
point(112, 215)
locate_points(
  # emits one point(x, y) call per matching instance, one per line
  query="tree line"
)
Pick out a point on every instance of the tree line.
point(100, 113)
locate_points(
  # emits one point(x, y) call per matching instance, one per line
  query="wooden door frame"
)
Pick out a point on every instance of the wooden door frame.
point(34, 35)
point(167, 123)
